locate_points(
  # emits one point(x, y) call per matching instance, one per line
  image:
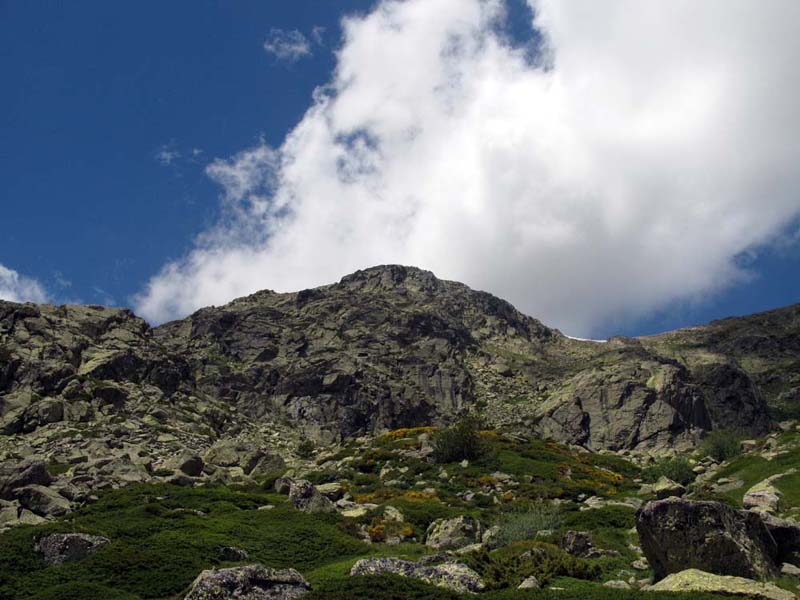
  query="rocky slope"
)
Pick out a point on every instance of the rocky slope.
point(384, 348)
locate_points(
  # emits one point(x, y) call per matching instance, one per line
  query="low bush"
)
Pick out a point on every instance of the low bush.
point(162, 536)
point(722, 444)
point(82, 591)
point(676, 469)
point(608, 517)
point(383, 587)
point(510, 565)
point(525, 522)
point(457, 443)
point(306, 449)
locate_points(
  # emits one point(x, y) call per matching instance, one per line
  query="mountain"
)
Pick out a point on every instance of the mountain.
point(384, 348)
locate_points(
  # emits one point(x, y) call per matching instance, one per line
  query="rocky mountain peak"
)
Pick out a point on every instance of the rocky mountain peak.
point(386, 347)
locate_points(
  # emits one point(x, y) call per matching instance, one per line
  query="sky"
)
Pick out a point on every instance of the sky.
point(611, 168)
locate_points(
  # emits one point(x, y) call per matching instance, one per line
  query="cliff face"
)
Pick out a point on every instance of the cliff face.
point(386, 347)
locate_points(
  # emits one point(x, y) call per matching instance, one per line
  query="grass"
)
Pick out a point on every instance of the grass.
point(392, 587)
point(751, 469)
point(678, 470)
point(163, 536)
point(524, 522)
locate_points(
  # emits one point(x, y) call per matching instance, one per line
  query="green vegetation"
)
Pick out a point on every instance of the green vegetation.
point(510, 565)
point(392, 587)
point(723, 444)
point(306, 449)
point(677, 469)
point(57, 468)
point(524, 522)
point(460, 442)
point(163, 536)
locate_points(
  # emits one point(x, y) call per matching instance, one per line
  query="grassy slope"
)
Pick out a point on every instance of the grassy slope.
point(163, 536)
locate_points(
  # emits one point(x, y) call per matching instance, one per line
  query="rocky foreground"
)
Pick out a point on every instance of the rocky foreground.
point(400, 516)
point(289, 445)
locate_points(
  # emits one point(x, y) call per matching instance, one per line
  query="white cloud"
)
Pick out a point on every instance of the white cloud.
point(658, 143)
point(318, 34)
point(288, 46)
point(18, 288)
point(167, 154)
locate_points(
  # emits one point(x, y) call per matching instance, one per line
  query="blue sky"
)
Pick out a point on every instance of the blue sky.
point(112, 113)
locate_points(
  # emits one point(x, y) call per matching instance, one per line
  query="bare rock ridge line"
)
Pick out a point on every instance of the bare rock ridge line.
point(384, 348)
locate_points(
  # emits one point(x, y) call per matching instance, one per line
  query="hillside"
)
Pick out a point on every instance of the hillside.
point(315, 431)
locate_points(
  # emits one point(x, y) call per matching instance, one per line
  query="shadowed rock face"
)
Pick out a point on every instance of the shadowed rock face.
point(384, 348)
point(677, 534)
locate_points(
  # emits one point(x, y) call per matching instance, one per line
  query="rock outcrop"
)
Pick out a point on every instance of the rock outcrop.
point(677, 534)
point(58, 548)
point(694, 580)
point(450, 575)
point(449, 534)
point(307, 498)
point(251, 582)
point(223, 393)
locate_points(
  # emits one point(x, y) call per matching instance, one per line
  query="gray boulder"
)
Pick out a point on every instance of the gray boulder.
point(665, 487)
point(17, 475)
point(447, 534)
point(304, 496)
point(694, 580)
point(232, 554)
point(786, 534)
point(58, 548)
point(252, 459)
point(282, 485)
point(189, 464)
point(251, 582)
point(43, 501)
point(677, 534)
point(452, 575)
point(577, 543)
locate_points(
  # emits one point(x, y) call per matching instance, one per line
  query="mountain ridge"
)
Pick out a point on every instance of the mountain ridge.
point(385, 347)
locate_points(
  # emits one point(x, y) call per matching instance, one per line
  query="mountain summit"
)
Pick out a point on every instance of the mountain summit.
point(385, 347)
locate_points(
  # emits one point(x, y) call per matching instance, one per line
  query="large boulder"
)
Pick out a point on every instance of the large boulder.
point(187, 463)
point(447, 534)
point(764, 496)
point(452, 575)
point(694, 580)
point(677, 534)
point(665, 487)
point(252, 459)
point(58, 548)
point(43, 501)
point(304, 496)
point(17, 475)
point(251, 582)
point(786, 534)
point(577, 543)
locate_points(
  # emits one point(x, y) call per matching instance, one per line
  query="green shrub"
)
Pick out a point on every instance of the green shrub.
point(677, 469)
point(82, 591)
point(509, 566)
point(162, 536)
point(457, 443)
point(722, 444)
point(56, 468)
point(382, 587)
point(608, 517)
point(525, 522)
point(306, 449)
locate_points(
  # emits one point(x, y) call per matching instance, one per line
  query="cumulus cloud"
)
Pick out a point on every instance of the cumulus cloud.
point(649, 146)
point(18, 288)
point(288, 46)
